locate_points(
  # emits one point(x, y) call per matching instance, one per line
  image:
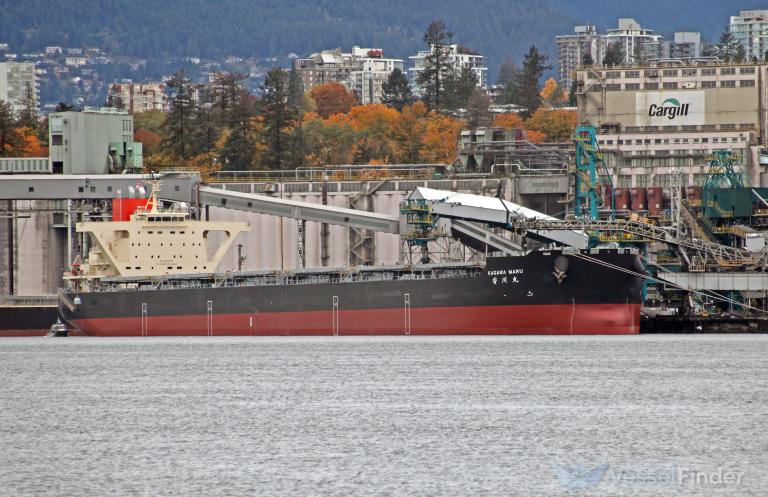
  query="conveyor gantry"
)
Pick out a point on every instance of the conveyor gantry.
point(497, 212)
point(295, 209)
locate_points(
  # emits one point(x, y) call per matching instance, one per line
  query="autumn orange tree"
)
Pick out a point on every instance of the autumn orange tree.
point(332, 98)
point(556, 125)
point(375, 126)
point(508, 121)
point(552, 94)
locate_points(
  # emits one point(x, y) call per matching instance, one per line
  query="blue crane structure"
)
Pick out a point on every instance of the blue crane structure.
point(591, 174)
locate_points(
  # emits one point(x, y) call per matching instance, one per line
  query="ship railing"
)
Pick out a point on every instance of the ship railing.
point(287, 279)
point(28, 300)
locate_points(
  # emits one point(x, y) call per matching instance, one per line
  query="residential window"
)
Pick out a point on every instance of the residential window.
point(709, 84)
point(625, 181)
point(728, 70)
point(689, 72)
point(746, 70)
point(708, 71)
point(651, 86)
point(728, 84)
point(668, 85)
point(632, 86)
point(57, 140)
point(613, 87)
point(670, 72)
point(632, 74)
point(612, 74)
point(747, 83)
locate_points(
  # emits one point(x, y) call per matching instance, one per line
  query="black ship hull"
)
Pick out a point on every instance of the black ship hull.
point(541, 293)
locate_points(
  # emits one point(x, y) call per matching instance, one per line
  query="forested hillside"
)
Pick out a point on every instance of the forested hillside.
point(265, 28)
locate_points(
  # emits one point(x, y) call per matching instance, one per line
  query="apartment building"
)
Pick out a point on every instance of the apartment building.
point(750, 29)
point(138, 97)
point(573, 49)
point(638, 44)
point(15, 80)
point(659, 120)
point(362, 71)
point(630, 36)
point(459, 57)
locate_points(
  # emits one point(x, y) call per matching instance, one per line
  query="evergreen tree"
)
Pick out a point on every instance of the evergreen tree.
point(741, 54)
point(727, 48)
point(277, 116)
point(9, 135)
point(226, 98)
point(239, 148)
point(587, 60)
point(478, 110)
point(180, 125)
point(572, 102)
point(459, 86)
point(28, 115)
point(296, 91)
point(507, 79)
point(527, 80)
point(431, 79)
point(614, 55)
point(396, 91)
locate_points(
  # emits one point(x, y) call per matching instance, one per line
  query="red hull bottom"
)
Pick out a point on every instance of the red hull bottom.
point(579, 319)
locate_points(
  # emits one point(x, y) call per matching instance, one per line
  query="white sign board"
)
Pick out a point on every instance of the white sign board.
point(670, 108)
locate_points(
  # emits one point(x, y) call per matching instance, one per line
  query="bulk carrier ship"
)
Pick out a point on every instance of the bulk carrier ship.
point(149, 273)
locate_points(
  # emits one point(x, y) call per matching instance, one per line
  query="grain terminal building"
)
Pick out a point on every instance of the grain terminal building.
point(652, 120)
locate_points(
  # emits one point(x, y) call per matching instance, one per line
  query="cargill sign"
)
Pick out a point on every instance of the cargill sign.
point(669, 108)
point(664, 108)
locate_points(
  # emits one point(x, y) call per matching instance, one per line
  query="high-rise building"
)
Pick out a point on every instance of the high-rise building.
point(637, 44)
point(573, 50)
point(459, 57)
point(631, 37)
point(362, 71)
point(750, 29)
point(18, 82)
point(685, 47)
point(138, 97)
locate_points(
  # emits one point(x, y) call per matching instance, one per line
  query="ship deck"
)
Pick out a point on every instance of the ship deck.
point(280, 278)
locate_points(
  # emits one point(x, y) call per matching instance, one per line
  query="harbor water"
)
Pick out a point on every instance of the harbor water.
point(390, 416)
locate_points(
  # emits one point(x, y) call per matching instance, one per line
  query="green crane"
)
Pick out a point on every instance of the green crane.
point(592, 176)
